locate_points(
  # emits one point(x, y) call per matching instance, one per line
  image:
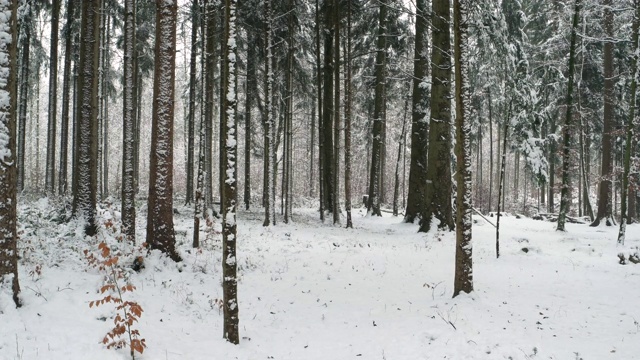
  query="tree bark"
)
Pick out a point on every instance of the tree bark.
point(8, 164)
point(66, 99)
point(128, 118)
point(192, 100)
point(25, 30)
point(347, 123)
point(160, 232)
point(438, 189)
point(53, 99)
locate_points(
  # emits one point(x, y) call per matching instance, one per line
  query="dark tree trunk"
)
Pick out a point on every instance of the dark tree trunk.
point(128, 118)
point(53, 99)
point(336, 115)
point(160, 232)
point(66, 99)
point(85, 193)
point(347, 123)
point(23, 102)
point(320, 104)
point(568, 124)
point(8, 164)
point(438, 189)
point(192, 101)
point(375, 181)
point(327, 108)
point(464, 264)
point(228, 191)
point(251, 90)
point(210, 65)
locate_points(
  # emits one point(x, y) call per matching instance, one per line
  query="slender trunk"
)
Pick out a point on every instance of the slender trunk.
point(66, 99)
point(210, 64)
point(23, 106)
point(347, 123)
point(624, 218)
point(320, 105)
point(327, 107)
point(501, 180)
point(192, 101)
point(105, 106)
point(568, 125)
point(53, 99)
point(269, 146)
point(396, 185)
point(336, 115)
point(288, 149)
point(250, 93)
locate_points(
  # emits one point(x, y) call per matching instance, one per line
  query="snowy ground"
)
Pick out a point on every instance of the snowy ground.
point(314, 291)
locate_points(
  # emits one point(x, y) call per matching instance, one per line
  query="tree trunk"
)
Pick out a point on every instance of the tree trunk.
point(327, 108)
point(491, 158)
point(53, 98)
point(419, 112)
point(438, 189)
point(269, 146)
point(228, 191)
point(566, 146)
point(128, 118)
point(8, 165)
point(624, 215)
point(606, 167)
point(336, 115)
point(105, 119)
point(87, 147)
point(160, 233)
point(24, 85)
point(210, 64)
point(192, 101)
point(396, 185)
point(288, 133)
point(501, 180)
point(464, 264)
point(320, 105)
point(373, 205)
point(66, 97)
point(250, 93)
point(347, 123)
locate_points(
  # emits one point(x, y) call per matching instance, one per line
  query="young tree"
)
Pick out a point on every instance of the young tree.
point(229, 190)
point(160, 232)
point(128, 118)
point(53, 98)
point(192, 101)
point(464, 264)
point(437, 200)
point(84, 196)
point(419, 120)
point(568, 123)
point(624, 214)
point(8, 166)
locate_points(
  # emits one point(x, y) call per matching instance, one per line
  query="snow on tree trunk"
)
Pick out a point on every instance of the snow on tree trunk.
point(160, 232)
point(419, 113)
point(8, 165)
point(229, 189)
point(464, 264)
point(87, 134)
point(270, 128)
point(128, 118)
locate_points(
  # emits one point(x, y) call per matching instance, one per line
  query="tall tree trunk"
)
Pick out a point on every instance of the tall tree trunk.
point(25, 29)
point(501, 181)
point(396, 185)
point(373, 205)
point(192, 101)
point(228, 191)
point(327, 107)
point(66, 99)
point(105, 119)
point(606, 167)
point(287, 161)
point(320, 104)
point(128, 118)
point(347, 123)
point(336, 115)
point(199, 195)
point(251, 90)
point(624, 215)
point(210, 65)
point(419, 112)
point(270, 133)
point(568, 124)
point(491, 158)
point(464, 264)
point(53, 98)
point(85, 193)
point(438, 189)
point(8, 165)
point(160, 233)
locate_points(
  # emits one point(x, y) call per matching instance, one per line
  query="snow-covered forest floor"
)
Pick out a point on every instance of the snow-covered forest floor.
point(314, 291)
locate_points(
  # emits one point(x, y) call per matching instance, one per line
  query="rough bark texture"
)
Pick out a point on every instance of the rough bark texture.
point(53, 99)
point(248, 106)
point(438, 188)
point(229, 190)
point(373, 205)
point(25, 31)
point(605, 212)
point(128, 118)
point(85, 192)
point(327, 109)
point(336, 114)
point(347, 124)
point(568, 124)
point(419, 120)
point(269, 129)
point(160, 232)
point(210, 65)
point(464, 264)
point(8, 165)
